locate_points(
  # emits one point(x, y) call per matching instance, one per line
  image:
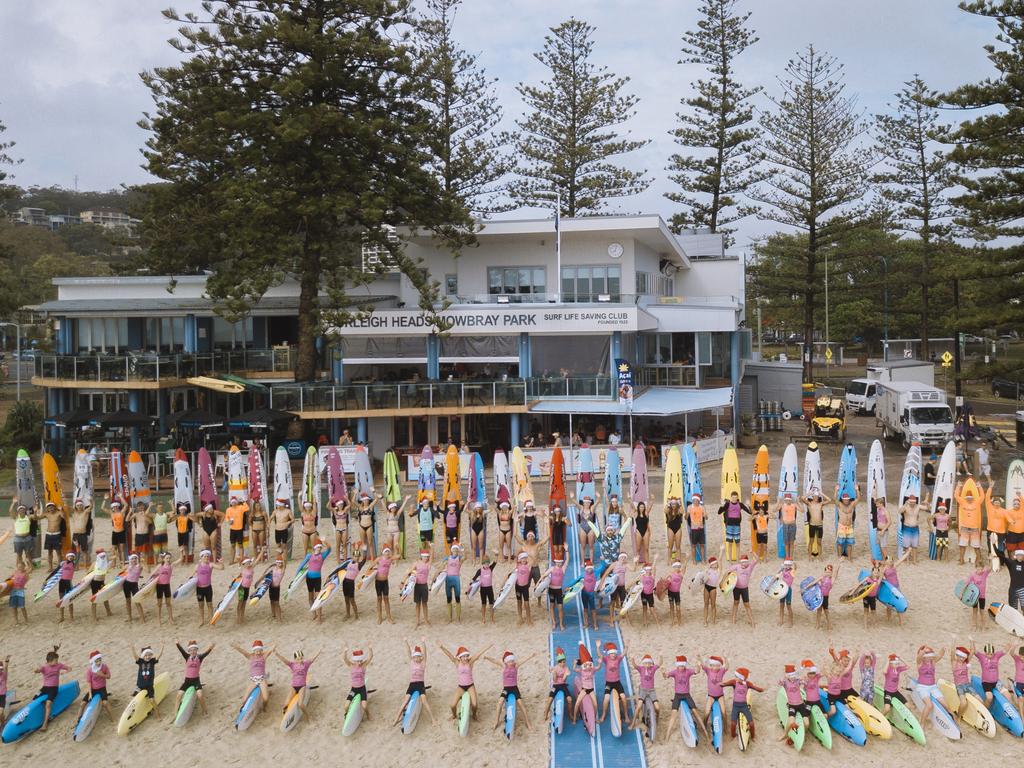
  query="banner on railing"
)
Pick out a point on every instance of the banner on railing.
point(708, 449)
point(625, 378)
point(538, 461)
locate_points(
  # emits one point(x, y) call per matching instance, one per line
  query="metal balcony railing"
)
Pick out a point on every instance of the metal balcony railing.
point(148, 366)
point(380, 396)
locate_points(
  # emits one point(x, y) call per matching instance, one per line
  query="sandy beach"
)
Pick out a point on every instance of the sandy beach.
point(935, 618)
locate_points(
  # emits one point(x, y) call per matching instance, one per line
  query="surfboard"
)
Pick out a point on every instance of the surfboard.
point(426, 476)
point(452, 481)
point(585, 485)
point(226, 600)
point(256, 479)
point(337, 488)
point(29, 718)
point(941, 719)
point(846, 481)
point(966, 593)
point(901, 716)
point(284, 492)
point(184, 493)
point(612, 477)
point(975, 713)
point(760, 485)
point(875, 490)
point(945, 483)
point(83, 487)
point(811, 594)
point(140, 705)
point(910, 485)
point(309, 491)
point(796, 735)
point(673, 488)
point(363, 472)
point(249, 709)
point(238, 481)
point(844, 721)
point(208, 490)
point(730, 483)
point(1007, 617)
point(502, 478)
point(693, 484)
point(789, 482)
point(1002, 710)
point(26, 492)
point(54, 494)
point(556, 493)
point(812, 470)
point(888, 595)
point(638, 489)
point(393, 492)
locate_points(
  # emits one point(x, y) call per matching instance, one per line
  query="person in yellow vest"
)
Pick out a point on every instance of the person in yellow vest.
point(968, 520)
point(236, 518)
point(23, 538)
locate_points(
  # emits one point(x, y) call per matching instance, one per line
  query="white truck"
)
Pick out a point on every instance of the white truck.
point(862, 394)
point(913, 412)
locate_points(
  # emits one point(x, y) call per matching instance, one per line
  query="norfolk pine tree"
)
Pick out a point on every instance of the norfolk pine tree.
point(291, 134)
point(817, 171)
point(719, 122)
point(988, 149)
point(573, 130)
point(916, 181)
point(467, 156)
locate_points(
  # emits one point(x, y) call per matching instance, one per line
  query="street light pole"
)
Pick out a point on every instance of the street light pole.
point(885, 308)
point(17, 356)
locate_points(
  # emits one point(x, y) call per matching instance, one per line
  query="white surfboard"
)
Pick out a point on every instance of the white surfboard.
point(789, 472)
point(876, 472)
point(812, 471)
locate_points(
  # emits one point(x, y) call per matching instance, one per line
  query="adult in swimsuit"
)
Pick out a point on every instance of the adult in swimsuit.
point(366, 520)
point(339, 514)
point(642, 524)
point(587, 517)
point(477, 524)
point(674, 525)
point(506, 545)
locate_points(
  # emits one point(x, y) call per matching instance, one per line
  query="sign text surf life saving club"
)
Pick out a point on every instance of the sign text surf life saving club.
point(491, 321)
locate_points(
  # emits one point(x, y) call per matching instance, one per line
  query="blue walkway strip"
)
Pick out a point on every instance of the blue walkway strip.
point(574, 748)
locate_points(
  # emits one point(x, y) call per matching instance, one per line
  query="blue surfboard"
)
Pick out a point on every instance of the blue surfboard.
point(29, 718)
point(693, 484)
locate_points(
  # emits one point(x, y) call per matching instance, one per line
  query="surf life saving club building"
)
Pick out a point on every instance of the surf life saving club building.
point(538, 324)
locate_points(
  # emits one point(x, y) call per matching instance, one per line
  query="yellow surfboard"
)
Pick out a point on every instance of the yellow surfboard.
point(452, 490)
point(673, 475)
point(522, 487)
point(760, 486)
point(54, 494)
point(730, 474)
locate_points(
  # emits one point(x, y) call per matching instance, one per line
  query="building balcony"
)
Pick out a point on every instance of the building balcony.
point(147, 370)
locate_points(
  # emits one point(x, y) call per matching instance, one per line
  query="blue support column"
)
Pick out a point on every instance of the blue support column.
point(525, 356)
point(433, 357)
point(135, 404)
point(514, 436)
point(615, 351)
point(337, 364)
point(64, 336)
point(52, 409)
point(734, 380)
point(191, 334)
point(335, 431)
point(361, 430)
point(163, 407)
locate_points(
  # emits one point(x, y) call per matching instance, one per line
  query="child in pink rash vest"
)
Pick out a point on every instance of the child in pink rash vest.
point(714, 669)
point(989, 661)
point(891, 686)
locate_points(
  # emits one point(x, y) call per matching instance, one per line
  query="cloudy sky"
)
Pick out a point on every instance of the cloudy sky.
point(70, 94)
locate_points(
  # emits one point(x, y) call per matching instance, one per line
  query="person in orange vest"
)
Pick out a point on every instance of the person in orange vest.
point(236, 517)
point(995, 520)
point(968, 520)
point(1014, 516)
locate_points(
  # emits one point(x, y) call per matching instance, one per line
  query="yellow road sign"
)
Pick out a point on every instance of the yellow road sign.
point(828, 353)
point(947, 358)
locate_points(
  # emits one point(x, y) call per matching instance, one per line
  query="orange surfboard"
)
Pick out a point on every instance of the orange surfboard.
point(759, 486)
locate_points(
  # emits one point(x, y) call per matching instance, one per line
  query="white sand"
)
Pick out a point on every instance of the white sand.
point(935, 617)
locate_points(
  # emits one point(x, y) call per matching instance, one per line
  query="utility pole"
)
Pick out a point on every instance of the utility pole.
point(958, 386)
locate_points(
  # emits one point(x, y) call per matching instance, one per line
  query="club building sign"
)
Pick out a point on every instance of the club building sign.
point(561, 320)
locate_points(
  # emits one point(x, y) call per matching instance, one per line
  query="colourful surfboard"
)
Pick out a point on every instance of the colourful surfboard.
point(945, 483)
point(238, 481)
point(208, 488)
point(393, 492)
point(910, 484)
point(638, 490)
point(521, 484)
point(585, 485)
point(556, 495)
point(789, 482)
point(426, 477)
point(83, 489)
point(363, 472)
point(612, 476)
point(476, 490)
point(54, 494)
point(875, 489)
point(138, 491)
point(502, 479)
point(692, 484)
point(183, 494)
point(452, 484)
point(337, 488)
point(760, 489)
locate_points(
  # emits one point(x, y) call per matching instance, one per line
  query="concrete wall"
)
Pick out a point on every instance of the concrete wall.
point(775, 381)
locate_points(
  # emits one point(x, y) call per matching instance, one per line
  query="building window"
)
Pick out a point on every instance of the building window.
point(232, 335)
point(451, 285)
point(591, 283)
point(102, 334)
point(517, 283)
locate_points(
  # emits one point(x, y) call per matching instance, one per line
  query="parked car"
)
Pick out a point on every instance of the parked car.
point(1007, 388)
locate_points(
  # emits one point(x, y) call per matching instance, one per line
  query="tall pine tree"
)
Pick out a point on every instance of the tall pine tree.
point(567, 142)
point(6, 161)
point(718, 122)
point(817, 171)
point(292, 134)
point(988, 148)
point(917, 181)
point(467, 157)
